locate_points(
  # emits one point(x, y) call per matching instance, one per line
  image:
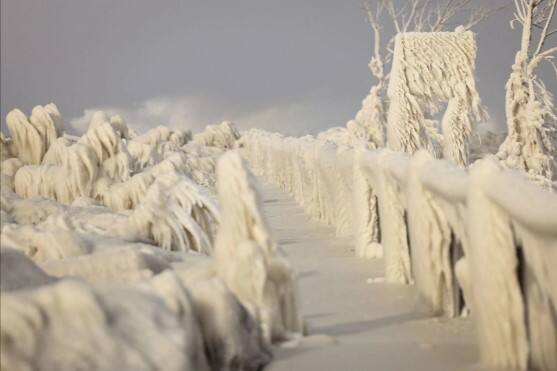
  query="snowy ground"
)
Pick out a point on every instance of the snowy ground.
point(357, 322)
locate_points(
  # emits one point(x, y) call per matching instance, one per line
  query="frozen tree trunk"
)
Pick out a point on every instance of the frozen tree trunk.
point(531, 120)
point(528, 145)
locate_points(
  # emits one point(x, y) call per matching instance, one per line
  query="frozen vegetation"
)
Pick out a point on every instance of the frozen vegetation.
point(125, 241)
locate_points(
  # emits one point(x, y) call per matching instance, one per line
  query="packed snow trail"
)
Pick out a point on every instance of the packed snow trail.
point(355, 321)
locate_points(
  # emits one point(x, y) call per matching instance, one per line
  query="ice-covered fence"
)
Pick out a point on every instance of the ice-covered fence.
point(512, 228)
point(317, 173)
point(483, 238)
point(385, 172)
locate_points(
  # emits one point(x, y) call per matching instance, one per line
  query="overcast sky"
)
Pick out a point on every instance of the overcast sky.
point(294, 66)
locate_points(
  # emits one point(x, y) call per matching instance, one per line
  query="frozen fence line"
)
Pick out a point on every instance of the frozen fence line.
point(482, 239)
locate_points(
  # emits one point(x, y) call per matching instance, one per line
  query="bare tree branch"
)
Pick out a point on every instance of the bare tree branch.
point(543, 36)
point(554, 67)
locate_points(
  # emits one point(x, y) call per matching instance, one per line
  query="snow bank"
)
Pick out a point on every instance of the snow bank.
point(481, 240)
point(222, 136)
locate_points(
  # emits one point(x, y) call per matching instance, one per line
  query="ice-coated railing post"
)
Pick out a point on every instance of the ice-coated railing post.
point(531, 214)
point(394, 230)
point(366, 212)
point(497, 305)
point(383, 169)
point(430, 238)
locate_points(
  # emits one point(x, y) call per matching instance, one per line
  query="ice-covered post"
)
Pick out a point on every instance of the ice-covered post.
point(366, 213)
point(513, 243)
point(433, 255)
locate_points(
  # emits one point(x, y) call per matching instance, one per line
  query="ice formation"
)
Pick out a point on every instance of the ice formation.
point(428, 69)
point(480, 240)
point(531, 142)
point(123, 234)
point(99, 166)
point(246, 253)
point(221, 136)
point(33, 136)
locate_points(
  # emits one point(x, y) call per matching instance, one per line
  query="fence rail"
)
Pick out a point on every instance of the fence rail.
point(482, 239)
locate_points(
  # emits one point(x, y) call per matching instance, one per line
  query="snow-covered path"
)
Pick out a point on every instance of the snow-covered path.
point(375, 326)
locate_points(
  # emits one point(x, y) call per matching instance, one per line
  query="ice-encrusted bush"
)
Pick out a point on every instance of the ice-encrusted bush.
point(114, 248)
point(99, 166)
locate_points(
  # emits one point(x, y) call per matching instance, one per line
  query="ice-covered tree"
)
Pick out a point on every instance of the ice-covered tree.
point(430, 68)
point(531, 117)
point(405, 16)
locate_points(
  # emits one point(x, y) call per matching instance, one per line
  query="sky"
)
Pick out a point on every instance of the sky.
point(291, 66)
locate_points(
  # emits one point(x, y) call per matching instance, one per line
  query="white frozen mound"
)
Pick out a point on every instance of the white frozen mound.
point(152, 147)
point(177, 214)
point(70, 325)
point(174, 215)
point(190, 317)
point(248, 259)
point(33, 136)
point(221, 136)
point(173, 209)
point(123, 240)
point(42, 243)
point(162, 134)
point(119, 264)
point(233, 338)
